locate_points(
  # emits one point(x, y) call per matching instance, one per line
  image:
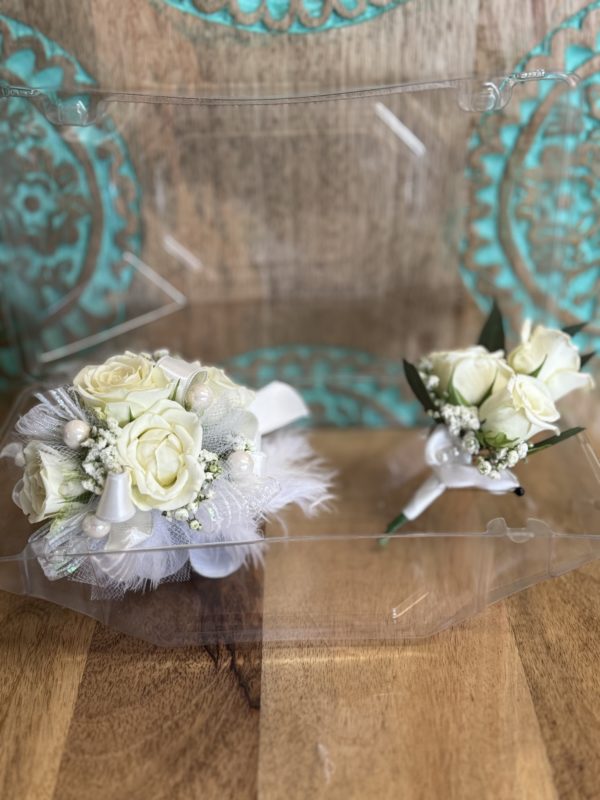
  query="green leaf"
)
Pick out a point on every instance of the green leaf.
point(488, 393)
point(573, 330)
point(456, 397)
point(417, 385)
point(537, 371)
point(480, 435)
point(552, 440)
point(492, 333)
point(587, 357)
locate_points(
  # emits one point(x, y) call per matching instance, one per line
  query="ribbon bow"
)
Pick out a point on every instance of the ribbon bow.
point(451, 468)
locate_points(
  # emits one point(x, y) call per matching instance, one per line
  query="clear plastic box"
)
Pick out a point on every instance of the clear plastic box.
point(318, 238)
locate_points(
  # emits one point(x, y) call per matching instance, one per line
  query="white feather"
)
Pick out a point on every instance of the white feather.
point(302, 477)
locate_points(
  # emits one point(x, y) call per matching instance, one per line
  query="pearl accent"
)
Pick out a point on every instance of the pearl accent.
point(94, 527)
point(199, 397)
point(241, 464)
point(75, 432)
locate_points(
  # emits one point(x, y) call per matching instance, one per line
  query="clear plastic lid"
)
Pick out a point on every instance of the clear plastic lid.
point(330, 220)
point(316, 238)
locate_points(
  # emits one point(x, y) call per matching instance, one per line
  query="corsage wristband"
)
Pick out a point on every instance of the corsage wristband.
point(147, 456)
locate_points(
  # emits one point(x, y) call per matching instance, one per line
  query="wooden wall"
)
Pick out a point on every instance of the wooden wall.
point(317, 203)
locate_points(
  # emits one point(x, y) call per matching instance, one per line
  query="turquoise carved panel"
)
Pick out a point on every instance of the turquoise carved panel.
point(285, 16)
point(69, 204)
point(534, 232)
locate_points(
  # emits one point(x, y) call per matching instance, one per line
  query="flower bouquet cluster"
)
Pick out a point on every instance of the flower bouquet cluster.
point(146, 456)
point(488, 407)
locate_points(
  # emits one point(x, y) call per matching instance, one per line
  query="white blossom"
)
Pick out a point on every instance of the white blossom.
point(484, 466)
point(522, 449)
point(551, 355)
point(512, 458)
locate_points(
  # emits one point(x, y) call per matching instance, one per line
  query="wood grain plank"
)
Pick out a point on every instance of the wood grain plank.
point(450, 717)
point(154, 723)
point(556, 627)
point(507, 31)
point(43, 652)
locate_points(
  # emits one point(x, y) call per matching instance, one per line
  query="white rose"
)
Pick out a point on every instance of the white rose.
point(123, 387)
point(470, 374)
point(221, 385)
point(51, 482)
point(523, 408)
point(552, 356)
point(160, 449)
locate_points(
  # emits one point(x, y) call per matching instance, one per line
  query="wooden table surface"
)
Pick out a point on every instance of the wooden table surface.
point(502, 706)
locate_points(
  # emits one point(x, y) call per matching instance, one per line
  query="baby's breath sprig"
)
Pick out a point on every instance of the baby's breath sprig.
point(102, 456)
point(237, 443)
point(496, 460)
point(430, 381)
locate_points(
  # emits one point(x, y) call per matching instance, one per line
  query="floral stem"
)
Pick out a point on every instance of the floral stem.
point(394, 525)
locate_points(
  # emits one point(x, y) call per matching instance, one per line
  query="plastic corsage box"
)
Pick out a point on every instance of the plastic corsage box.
point(263, 398)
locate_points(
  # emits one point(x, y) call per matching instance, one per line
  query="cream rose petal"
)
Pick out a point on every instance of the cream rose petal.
point(51, 481)
point(471, 372)
point(123, 387)
point(554, 359)
point(472, 379)
point(561, 384)
point(520, 410)
point(161, 450)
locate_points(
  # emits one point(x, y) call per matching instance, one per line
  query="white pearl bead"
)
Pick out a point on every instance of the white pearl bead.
point(94, 527)
point(199, 397)
point(241, 464)
point(75, 432)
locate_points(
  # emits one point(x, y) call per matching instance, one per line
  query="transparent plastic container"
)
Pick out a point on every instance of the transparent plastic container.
point(316, 238)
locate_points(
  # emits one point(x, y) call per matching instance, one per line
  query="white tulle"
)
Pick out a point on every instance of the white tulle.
point(234, 519)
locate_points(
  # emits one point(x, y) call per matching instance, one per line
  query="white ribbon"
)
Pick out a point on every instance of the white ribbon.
point(14, 451)
point(276, 406)
point(451, 468)
point(182, 371)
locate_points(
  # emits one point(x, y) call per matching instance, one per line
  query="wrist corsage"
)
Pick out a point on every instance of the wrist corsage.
point(145, 457)
point(490, 411)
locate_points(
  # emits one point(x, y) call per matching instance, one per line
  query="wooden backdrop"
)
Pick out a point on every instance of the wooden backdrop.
point(295, 208)
point(503, 707)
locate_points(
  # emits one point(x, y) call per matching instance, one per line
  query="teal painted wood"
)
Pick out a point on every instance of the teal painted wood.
point(285, 16)
point(69, 204)
point(343, 386)
point(538, 246)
